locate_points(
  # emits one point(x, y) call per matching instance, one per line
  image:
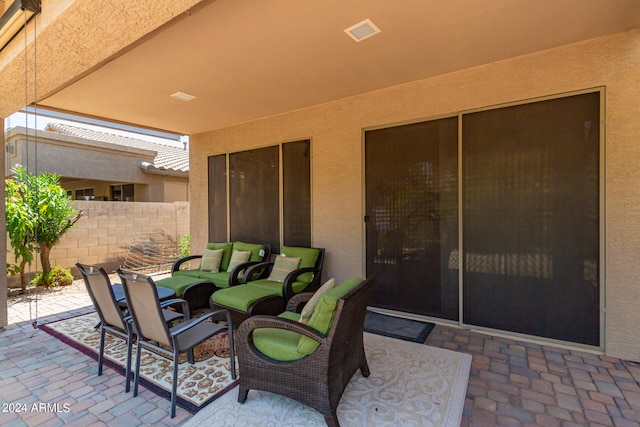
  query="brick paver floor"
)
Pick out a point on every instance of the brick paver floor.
point(512, 382)
point(517, 383)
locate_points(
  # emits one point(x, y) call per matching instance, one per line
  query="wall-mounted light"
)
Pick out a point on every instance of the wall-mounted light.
point(13, 19)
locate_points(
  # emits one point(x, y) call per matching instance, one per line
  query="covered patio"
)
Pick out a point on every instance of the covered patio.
point(299, 93)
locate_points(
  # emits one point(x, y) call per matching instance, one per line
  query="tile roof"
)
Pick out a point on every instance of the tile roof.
point(168, 158)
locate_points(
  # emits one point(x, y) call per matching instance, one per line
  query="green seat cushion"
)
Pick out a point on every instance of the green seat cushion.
point(322, 316)
point(279, 344)
point(277, 286)
point(253, 248)
point(177, 283)
point(291, 315)
point(187, 273)
point(227, 247)
point(308, 258)
point(240, 297)
point(220, 280)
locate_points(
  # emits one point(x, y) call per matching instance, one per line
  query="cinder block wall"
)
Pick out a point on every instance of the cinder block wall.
point(106, 229)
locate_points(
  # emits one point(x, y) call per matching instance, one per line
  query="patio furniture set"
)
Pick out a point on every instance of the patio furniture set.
point(295, 336)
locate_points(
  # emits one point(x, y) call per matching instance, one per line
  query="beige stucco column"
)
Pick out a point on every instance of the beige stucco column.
point(3, 248)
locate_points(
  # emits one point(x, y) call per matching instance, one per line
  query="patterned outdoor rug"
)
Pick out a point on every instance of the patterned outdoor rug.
point(200, 383)
point(410, 385)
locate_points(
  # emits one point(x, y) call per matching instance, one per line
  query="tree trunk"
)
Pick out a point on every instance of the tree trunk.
point(23, 278)
point(44, 258)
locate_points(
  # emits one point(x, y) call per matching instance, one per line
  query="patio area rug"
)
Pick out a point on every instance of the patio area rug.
point(397, 327)
point(410, 385)
point(200, 383)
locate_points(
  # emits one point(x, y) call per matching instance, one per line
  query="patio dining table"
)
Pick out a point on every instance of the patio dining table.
point(118, 293)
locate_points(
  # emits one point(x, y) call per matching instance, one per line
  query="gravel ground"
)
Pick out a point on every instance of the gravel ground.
point(77, 287)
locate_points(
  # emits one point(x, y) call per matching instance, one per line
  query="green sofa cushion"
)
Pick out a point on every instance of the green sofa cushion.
point(226, 256)
point(253, 248)
point(177, 283)
point(221, 279)
point(189, 273)
point(277, 286)
point(240, 297)
point(310, 306)
point(308, 258)
point(322, 317)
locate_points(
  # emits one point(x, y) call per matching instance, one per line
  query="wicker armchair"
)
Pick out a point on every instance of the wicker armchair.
point(319, 378)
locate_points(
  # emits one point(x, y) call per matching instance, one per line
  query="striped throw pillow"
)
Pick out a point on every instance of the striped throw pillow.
point(211, 259)
point(283, 266)
point(238, 257)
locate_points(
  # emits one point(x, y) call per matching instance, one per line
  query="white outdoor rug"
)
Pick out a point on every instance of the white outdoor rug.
point(410, 385)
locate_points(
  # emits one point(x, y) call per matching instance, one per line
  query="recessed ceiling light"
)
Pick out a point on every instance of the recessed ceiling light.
point(362, 30)
point(183, 96)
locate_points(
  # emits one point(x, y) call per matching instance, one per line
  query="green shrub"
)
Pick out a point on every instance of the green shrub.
point(58, 276)
point(184, 245)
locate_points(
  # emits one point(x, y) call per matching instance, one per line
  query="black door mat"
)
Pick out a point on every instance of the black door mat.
point(397, 327)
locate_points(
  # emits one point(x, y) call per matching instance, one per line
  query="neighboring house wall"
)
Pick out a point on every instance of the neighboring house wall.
point(336, 130)
point(85, 164)
point(106, 229)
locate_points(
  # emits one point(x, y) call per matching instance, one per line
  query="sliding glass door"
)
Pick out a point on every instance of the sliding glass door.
point(531, 218)
point(412, 216)
point(524, 193)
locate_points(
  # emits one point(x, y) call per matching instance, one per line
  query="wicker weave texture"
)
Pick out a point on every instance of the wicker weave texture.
point(319, 379)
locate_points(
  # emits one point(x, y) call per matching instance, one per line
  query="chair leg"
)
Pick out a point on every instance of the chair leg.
point(101, 351)
point(231, 349)
point(136, 375)
point(242, 394)
point(174, 385)
point(364, 369)
point(331, 419)
point(128, 370)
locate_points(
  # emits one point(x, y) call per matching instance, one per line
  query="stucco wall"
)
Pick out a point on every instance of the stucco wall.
point(77, 30)
point(336, 132)
point(3, 249)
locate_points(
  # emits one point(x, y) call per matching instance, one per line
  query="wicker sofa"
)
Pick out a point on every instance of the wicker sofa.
point(196, 284)
point(262, 293)
point(311, 363)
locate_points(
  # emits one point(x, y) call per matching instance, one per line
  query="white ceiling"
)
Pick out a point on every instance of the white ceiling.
point(246, 59)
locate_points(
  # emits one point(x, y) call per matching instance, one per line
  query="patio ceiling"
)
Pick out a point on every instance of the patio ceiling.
point(245, 59)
